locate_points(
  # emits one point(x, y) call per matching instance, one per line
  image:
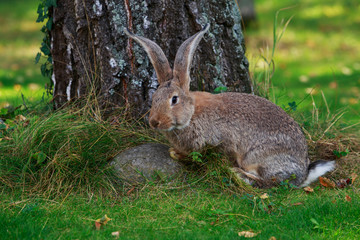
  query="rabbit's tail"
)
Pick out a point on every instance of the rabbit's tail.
point(317, 169)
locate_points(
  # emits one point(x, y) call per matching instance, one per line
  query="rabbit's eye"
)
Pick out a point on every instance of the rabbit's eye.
point(174, 100)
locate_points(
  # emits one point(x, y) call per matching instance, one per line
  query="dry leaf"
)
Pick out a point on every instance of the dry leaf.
point(101, 221)
point(248, 234)
point(97, 225)
point(264, 196)
point(353, 177)
point(26, 123)
point(272, 238)
point(342, 183)
point(297, 204)
point(308, 189)
point(326, 182)
point(348, 198)
point(115, 234)
point(20, 118)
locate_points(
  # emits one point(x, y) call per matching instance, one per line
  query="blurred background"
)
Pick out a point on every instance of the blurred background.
point(20, 40)
point(317, 56)
point(316, 62)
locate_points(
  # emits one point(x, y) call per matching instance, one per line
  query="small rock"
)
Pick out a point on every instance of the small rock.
point(142, 162)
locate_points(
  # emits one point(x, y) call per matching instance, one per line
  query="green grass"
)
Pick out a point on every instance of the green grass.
point(192, 212)
point(319, 50)
point(62, 151)
point(60, 195)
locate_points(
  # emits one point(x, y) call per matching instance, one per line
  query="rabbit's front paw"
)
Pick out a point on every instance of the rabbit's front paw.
point(174, 154)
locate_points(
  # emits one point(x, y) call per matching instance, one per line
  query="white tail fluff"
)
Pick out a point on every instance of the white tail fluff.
point(317, 169)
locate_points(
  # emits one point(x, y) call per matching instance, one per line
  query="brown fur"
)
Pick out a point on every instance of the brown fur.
point(266, 145)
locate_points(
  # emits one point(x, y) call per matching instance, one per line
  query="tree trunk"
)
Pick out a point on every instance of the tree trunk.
point(247, 10)
point(91, 53)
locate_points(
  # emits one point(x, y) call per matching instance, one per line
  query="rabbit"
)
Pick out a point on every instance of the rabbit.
point(266, 145)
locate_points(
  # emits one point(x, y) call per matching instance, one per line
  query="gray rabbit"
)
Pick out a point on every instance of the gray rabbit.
point(266, 145)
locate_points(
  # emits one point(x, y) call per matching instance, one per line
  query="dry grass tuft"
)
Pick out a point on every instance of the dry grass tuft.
point(75, 146)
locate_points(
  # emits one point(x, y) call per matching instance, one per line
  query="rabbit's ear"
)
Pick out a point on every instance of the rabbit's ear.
point(184, 57)
point(156, 55)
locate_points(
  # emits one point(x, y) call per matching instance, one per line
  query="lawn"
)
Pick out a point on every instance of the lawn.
point(192, 212)
point(317, 53)
point(60, 196)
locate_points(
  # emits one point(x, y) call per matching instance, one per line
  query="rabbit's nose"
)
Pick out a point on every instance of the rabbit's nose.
point(154, 123)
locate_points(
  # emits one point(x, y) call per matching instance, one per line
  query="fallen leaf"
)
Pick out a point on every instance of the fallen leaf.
point(115, 234)
point(353, 177)
point(308, 189)
point(342, 183)
point(97, 225)
point(101, 221)
point(20, 118)
point(348, 198)
point(272, 238)
point(264, 196)
point(26, 123)
point(248, 234)
point(104, 220)
point(297, 204)
point(326, 182)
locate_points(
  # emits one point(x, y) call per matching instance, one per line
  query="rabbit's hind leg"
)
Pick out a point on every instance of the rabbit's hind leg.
point(278, 168)
point(248, 177)
point(247, 174)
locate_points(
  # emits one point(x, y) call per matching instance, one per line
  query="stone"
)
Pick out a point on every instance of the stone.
point(144, 162)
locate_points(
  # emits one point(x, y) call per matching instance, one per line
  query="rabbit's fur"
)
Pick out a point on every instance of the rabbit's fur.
point(266, 144)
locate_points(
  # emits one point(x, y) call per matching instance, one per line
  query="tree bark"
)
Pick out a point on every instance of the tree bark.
point(91, 53)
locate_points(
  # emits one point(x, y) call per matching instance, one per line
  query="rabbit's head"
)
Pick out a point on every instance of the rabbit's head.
point(172, 104)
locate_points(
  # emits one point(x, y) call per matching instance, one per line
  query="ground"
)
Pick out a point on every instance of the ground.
point(55, 182)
